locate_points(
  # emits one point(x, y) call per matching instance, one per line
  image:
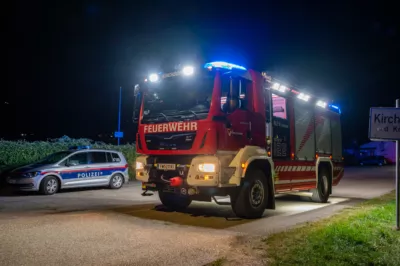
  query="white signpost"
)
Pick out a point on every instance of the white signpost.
point(384, 125)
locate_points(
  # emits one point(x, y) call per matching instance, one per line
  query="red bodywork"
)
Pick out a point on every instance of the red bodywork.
point(217, 137)
point(248, 127)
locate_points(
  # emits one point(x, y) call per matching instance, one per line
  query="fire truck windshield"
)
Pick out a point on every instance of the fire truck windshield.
point(178, 99)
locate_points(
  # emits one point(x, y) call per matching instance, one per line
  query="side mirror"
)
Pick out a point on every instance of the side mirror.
point(268, 116)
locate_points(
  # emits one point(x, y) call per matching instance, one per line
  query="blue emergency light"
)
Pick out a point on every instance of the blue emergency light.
point(336, 108)
point(86, 147)
point(224, 65)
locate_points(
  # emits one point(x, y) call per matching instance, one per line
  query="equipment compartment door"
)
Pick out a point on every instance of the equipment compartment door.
point(280, 128)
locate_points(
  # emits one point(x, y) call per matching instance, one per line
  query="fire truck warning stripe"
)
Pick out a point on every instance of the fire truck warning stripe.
point(300, 168)
point(280, 182)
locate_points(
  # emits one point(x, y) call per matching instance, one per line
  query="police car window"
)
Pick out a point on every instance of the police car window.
point(78, 159)
point(98, 157)
point(109, 157)
point(115, 157)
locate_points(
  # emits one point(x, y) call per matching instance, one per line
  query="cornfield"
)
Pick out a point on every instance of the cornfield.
point(23, 152)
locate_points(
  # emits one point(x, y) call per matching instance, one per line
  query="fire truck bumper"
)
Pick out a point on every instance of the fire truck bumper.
point(203, 171)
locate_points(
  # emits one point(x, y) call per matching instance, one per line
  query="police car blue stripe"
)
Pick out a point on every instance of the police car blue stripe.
point(90, 173)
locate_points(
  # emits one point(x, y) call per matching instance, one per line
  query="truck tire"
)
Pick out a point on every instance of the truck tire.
point(252, 198)
point(174, 201)
point(321, 193)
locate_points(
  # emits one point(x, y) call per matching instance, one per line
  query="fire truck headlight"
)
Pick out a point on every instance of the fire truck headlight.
point(139, 166)
point(207, 167)
point(188, 70)
point(153, 78)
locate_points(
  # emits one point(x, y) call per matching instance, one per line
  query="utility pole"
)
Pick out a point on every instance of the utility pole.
point(397, 177)
point(119, 115)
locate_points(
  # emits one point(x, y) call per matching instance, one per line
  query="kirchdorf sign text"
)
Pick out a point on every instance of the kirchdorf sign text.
point(384, 123)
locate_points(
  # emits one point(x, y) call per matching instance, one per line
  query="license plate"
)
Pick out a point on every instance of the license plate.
point(147, 185)
point(166, 166)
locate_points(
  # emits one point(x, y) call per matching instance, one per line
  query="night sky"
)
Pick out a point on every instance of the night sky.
point(67, 61)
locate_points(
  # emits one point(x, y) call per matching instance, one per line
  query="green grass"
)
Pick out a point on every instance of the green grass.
point(23, 152)
point(361, 235)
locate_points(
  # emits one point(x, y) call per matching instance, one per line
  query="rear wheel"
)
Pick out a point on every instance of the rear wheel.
point(252, 198)
point(321, 193)
point(49, 185)
point(116, 181)
point(174, 201)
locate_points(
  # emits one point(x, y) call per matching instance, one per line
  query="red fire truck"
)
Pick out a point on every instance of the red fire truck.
point(224, 130)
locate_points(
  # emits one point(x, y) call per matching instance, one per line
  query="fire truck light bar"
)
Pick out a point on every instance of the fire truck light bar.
point(223, 65)
point(304, 97)
point(276, 85)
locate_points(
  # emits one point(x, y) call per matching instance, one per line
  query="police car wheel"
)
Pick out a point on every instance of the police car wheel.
point(116, 181)
point(49, 185)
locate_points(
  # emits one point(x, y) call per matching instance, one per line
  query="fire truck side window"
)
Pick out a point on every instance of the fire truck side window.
point(238, 93)
point(279, 107)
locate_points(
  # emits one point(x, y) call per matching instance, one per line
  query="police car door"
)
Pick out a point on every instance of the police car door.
point(97, 171)
point(75, 169)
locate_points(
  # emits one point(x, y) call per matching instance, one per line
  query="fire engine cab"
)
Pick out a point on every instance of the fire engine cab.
point(220, 129)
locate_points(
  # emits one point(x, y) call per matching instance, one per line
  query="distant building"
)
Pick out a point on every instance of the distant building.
point(386, 149)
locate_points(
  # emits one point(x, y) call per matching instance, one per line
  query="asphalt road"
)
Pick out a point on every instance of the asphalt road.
point(108, 227)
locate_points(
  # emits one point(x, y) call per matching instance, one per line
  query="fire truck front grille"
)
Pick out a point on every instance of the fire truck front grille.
point(170, 141)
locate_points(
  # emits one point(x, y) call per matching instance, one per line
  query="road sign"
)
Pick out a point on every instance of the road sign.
point(384, 123)
point(118, 134)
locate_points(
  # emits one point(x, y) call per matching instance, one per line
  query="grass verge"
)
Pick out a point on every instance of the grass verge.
point(361, 235)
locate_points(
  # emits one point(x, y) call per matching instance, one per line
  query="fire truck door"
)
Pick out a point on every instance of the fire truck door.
point(238, 129)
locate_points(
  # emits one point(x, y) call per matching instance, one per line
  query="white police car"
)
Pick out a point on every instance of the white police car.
point(80, 166)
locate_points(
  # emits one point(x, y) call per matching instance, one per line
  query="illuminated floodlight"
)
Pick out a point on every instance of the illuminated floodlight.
point(282, 88)
point(188, 70)
point(224, 65)
point(303, 96)
point(153, 78)
point(276, 86)
point(321, 104)
point(279, 87)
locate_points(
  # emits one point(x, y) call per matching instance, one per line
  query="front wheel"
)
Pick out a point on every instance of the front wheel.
point(321, 193)
point(49, 185)
point(174, 201)
point(252, 198)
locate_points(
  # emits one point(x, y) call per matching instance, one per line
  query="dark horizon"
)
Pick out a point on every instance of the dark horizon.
point(69, 60)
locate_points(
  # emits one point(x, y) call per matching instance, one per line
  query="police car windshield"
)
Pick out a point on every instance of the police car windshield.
point(54, 158)
point(177, 98)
